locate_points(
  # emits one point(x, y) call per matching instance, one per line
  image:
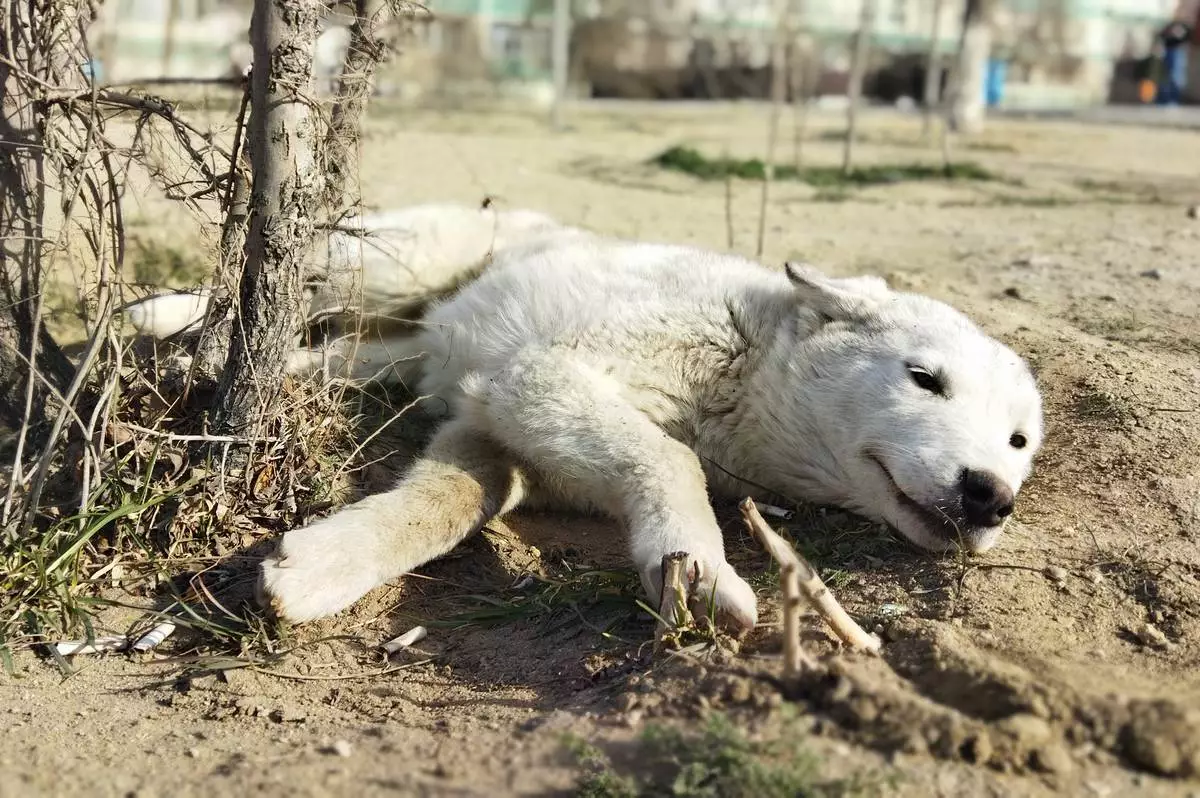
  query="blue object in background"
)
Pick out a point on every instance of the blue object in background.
point(993, 82)
point(1174, 77)
point(93, 70)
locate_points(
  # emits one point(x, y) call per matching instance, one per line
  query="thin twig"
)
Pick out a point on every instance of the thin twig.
point(809, 583)
point(672, 604)
point(795, 660)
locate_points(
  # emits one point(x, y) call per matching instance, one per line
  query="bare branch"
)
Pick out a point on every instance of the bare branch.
point(809, 583)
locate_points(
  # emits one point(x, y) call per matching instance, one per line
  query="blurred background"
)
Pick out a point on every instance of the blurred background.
point(1037, 55)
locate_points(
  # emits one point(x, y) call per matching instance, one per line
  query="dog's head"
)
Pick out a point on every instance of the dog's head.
point(933, 425)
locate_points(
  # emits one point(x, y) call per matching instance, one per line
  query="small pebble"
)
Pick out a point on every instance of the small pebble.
point(1193, 212)
point(1028, 730)
point(1056, 573)
point(1151, 274)
point(1150, 635)
point(342, 748)
point(1052, 758)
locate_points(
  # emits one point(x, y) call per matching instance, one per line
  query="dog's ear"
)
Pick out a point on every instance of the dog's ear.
point(834, 297)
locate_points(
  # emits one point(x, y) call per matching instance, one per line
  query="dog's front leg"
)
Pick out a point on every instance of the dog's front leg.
point(460, 483)
point(573, 425)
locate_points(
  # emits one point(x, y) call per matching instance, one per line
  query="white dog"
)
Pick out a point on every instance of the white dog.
point(634, 378)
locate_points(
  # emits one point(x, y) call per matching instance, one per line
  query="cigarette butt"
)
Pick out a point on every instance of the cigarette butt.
point(155, 636)
point(772, 510)
point(411, 637)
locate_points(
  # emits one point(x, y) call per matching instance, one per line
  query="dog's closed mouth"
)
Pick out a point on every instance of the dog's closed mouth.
point(937, 522)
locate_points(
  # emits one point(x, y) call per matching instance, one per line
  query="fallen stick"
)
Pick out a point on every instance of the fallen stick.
point(673, 601)
point(794, 658)
point(808, 582)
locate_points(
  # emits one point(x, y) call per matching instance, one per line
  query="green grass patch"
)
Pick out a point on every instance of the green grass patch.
point(161, 264)
point(717, 762)
point(597, 599)
point(693, 162)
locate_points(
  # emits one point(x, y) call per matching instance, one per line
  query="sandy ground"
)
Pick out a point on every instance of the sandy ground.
point(1063, 662)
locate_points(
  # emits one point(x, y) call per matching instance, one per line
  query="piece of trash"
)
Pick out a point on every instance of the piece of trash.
point(69, 648)
point(411, 637)
point(772, 510)
point(892, 610)
point(524, 582)
point(155, 636)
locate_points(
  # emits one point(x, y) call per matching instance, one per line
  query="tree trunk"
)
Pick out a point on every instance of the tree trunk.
point(801, 74)
point(967, 108)
point(858, 70)
point(931, 96)
point(372, 39)
point(285, 197)
point(560, 38)
point(212, 348)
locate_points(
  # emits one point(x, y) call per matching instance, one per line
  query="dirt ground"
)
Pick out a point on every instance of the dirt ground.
point(1062, 662)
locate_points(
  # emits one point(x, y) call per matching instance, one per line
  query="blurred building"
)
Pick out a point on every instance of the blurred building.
point(1055, 53)
point(151, 39)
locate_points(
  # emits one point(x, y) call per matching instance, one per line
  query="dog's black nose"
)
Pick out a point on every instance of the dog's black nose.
point(986, 500)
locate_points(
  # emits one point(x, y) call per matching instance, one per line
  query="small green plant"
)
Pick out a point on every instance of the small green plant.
point(599, 780)
point(717, 762)
point(598, 599)
point(695, 163)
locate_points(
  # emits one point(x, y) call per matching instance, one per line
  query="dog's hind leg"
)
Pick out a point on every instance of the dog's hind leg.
point(461, 482)
point(587, 440)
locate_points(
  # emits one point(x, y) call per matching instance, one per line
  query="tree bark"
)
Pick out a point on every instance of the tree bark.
point(285, 197)
point(858, 70)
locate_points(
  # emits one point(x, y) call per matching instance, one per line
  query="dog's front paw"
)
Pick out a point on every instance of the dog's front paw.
point(318, 571)
point(731, 596)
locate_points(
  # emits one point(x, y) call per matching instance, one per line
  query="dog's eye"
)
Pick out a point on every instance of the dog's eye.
point(1017, 441)
point(926, 380)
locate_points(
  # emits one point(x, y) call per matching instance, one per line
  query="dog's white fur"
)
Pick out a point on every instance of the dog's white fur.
point(383, 264)
point(633, 378)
